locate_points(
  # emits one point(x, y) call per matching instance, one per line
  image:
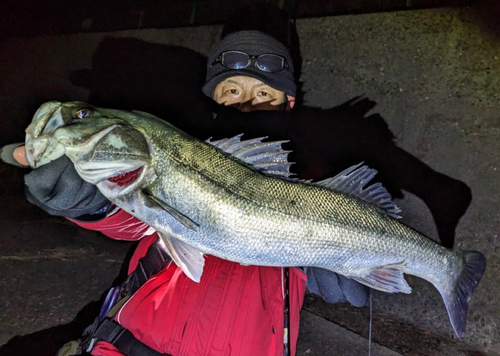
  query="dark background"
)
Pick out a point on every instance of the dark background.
point(33, 17)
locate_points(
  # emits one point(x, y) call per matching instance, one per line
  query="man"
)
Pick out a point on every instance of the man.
point(244, 310)
point(250, 71)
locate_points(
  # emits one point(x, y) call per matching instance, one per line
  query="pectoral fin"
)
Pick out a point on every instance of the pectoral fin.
point(185, 256)
point(183, 219)
point(389, 279)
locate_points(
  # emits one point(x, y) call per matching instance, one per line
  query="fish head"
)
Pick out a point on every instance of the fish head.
point(105, 147)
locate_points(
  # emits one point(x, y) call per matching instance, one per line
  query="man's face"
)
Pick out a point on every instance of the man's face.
point(248, 94)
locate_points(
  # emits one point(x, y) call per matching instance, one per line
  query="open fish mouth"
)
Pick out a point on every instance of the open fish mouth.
point(127, 178)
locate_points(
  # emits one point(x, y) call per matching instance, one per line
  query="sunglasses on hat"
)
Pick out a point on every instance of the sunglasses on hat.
point(267, 62)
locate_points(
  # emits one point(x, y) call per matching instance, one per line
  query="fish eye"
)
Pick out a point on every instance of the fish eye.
point(83, 113)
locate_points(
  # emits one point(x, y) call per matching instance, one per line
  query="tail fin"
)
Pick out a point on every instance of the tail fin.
point(457, 299)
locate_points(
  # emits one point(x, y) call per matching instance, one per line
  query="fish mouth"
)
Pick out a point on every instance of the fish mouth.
point(127, 178)
point(40, 151)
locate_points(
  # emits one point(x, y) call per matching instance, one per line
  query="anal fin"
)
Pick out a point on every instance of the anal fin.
point(189, 259)
point(389, 279)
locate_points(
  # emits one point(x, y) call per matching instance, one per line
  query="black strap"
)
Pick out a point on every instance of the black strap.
point(152, 263)
point(123, 340)
point(286, 328)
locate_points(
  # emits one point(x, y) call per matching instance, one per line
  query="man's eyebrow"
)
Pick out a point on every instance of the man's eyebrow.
point(259, 85)
point(232, 81)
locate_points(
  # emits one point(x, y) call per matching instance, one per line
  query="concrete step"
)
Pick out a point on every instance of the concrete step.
point(319, 336)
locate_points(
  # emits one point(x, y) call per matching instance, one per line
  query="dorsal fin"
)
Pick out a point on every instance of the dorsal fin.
point(353, 179)
point(266, 157)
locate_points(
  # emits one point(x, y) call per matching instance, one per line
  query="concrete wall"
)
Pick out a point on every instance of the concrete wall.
point(435, 78)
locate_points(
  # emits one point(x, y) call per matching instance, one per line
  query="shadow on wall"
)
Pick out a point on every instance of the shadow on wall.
point(166, 81)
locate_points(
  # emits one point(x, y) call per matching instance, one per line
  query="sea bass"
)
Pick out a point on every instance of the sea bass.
point(235, 200)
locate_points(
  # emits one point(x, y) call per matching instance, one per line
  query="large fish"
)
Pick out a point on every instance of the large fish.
point(233, 199)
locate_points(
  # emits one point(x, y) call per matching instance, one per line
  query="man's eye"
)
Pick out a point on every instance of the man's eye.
point(82, 113)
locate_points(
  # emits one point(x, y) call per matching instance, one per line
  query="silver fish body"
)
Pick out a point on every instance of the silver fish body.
point(202, 200)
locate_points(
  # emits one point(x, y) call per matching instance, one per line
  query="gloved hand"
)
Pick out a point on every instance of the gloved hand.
point(335, 288)
point(58, 189)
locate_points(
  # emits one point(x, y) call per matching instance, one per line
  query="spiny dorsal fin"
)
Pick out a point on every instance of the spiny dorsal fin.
point(266, 157)
point(353, 179)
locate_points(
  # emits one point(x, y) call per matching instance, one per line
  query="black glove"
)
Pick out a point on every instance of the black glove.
point(58, 189)
point(335, 288)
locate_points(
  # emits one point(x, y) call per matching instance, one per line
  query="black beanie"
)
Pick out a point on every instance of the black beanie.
point(254, 43)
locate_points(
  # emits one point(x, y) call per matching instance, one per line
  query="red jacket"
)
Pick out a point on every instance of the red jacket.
point(234, 310)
